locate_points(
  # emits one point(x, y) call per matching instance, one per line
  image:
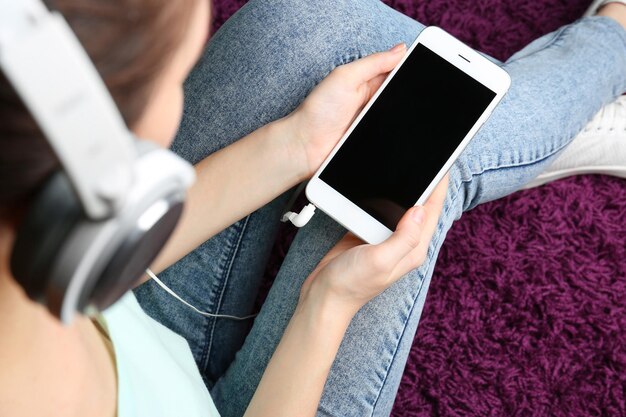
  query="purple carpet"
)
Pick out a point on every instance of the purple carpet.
point(527, 308)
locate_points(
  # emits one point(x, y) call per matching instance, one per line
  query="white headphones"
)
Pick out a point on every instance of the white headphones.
point(100, 220)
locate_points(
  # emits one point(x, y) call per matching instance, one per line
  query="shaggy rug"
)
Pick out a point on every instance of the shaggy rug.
point(527, 308)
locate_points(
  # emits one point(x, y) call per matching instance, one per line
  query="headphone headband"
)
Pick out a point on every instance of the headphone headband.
point(69, 102)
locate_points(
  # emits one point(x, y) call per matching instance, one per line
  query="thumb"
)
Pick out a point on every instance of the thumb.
point(376, 64)
point(406, 237)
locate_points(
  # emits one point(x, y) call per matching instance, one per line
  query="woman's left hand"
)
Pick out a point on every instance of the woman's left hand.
point(324, 116)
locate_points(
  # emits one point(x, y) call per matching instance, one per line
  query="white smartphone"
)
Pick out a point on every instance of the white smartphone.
point(408, 136)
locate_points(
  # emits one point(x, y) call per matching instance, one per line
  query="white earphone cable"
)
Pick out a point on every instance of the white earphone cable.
point(173, 294)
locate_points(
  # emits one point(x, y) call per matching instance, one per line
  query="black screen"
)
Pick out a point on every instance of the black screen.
point(407, 136)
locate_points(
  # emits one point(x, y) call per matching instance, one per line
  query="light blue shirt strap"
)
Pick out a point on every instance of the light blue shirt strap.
point(157, 375)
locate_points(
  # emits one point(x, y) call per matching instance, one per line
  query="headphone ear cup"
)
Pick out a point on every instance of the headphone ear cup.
point(68, 261)
point(135, 254)
point(54, 213)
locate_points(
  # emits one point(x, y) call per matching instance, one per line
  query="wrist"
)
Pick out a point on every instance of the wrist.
point(293, 145)
point(319, 300)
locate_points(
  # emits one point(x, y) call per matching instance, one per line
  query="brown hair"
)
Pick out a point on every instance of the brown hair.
point(130, 43)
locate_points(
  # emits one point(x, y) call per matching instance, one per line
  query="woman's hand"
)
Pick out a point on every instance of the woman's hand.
point(325, 115)
point(352, 273)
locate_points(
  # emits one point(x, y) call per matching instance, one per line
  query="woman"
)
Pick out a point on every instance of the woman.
point(255, 71)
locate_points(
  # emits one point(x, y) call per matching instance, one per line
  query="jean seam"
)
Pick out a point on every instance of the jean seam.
point(212, 322)
point(520, 164)
point(343, 60)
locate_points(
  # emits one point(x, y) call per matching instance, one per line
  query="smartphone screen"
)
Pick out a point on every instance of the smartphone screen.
point(407, 136)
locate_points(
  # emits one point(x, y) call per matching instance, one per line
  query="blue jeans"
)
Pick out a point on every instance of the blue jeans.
point(258, 67)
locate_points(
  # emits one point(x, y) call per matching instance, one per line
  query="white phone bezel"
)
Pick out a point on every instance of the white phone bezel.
point(462, 57)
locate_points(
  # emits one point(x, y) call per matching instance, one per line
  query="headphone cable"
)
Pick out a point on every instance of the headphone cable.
point(203, 313)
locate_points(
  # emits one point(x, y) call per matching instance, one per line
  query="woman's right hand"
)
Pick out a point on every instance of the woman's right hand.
point(353, 273)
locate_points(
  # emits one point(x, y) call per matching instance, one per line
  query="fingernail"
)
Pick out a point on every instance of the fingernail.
point(418, 214)
point(399, 47)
